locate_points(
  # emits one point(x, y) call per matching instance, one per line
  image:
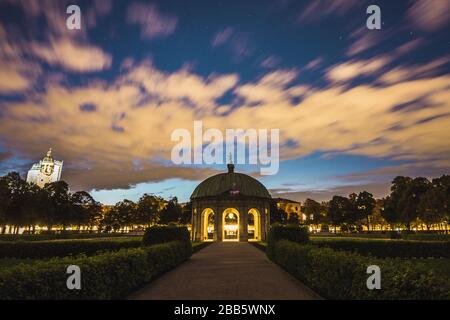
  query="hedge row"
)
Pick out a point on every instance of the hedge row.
point(342, 275)
point(197, 246)
point(291, 232)
point(388, 248)
point(389, 235)
point(60, 236)
point(427, 237)
point(165, 233)
point(62, 248)
point(110, 275)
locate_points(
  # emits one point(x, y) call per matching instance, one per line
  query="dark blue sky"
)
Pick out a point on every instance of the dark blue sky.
point(355, 107)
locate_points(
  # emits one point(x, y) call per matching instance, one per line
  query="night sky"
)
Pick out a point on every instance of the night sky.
point(355, 107)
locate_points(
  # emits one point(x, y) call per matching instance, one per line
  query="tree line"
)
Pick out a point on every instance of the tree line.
point(412, 201)
point(25, 205)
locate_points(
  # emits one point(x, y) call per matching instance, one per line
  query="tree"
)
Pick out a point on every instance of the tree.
point(126, 212)
point(148, 208)
point(376, 218)
point(293, 218)
point(5, 198)
point(389, 211)
point(338, 210)
point(171, 212)
point(16, 206)
point(353, 215)
point(277, 215)
point(434, 203)
point(60, 206)
point(403, 204)
point(86, 210)
point(186, 214)
point(410, 201)
point(35, 201)
point(365, 204)
point(111, 219)
point(313, 211)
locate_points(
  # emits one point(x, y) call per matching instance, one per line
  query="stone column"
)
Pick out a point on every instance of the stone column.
point(192, 223)
point(195, 226)
point(218, 212)
point(243, 223)
point(265, 216)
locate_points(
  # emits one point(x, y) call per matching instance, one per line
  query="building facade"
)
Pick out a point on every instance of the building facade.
point(230, 207)
point(291, 207)
point(45, 171)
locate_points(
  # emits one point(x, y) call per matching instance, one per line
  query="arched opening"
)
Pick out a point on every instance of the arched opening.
point(208, 225)
point(254, 225)
point(230, 222)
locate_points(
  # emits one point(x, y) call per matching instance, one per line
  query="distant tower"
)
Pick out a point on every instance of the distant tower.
point(230, 164)
point(46, 171)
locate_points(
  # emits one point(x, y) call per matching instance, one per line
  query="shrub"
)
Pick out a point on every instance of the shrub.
point(388, 248)
point(342, 275)
point(110, 275)
point(427, 237)
point(293, 233)
point(61, 248)
point(197, 246)
point(53, 236)
point(163, 233)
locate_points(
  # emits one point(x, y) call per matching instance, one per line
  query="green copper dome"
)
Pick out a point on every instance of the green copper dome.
point(230, 183)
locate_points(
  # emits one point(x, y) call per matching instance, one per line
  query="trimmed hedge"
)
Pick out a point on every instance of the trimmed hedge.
point(388, 248)
point(427, 237)
point(291, 232)
point(260, 245)
point(59, 236)
point(197, 246)
point(110, 275)
point(165, 233)
point(342, 275)
point(62, 248)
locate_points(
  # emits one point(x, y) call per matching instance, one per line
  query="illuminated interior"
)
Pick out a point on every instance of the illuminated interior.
point(230, 224)
point(208, 225)
point(254, 225)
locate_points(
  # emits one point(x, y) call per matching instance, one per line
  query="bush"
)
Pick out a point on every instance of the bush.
point(342, 275)
point(62, 248)
point(427, 237)
point(166, 233)
point(388, 248)
point(53, 236)
point(197, 246)
point(162, 233)
point(293, 233)
point(110, 275)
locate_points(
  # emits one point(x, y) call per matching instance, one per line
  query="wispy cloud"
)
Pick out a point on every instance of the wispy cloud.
point(237, 42)
point(72, 56)
point(222, 37)
point(153, 23)
point(270, 62)
point(430, 15)
point(321, 9)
